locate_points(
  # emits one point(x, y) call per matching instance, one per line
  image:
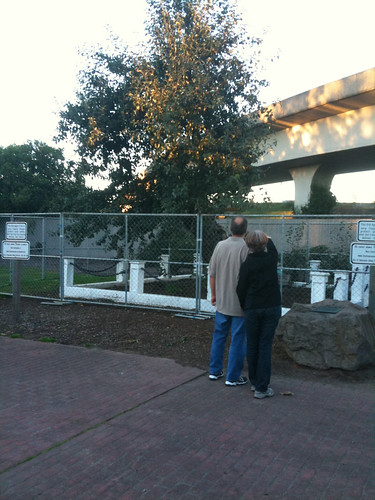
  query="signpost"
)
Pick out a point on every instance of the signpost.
point(17, 248)
point(363, 252)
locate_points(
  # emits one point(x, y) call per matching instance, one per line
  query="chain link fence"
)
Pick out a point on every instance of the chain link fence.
point(161, 261)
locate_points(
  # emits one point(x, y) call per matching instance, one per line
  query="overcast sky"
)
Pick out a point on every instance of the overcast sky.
point(316, 43)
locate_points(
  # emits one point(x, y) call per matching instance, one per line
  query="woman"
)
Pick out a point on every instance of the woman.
point(259, 294)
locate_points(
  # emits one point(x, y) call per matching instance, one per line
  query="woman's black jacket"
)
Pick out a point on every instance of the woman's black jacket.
point(258, 285)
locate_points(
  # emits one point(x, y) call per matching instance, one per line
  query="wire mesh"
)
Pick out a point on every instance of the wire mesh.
point(161, 261)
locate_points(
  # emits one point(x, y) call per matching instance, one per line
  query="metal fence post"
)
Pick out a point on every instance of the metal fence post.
point(61, 256)
point(282, 255)
point(308, 243)
point(43, 247)
point(371, 304)
point(126, 255)
point(198, 252)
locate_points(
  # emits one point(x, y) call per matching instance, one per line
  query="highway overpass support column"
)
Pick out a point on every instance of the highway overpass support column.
point(303, 178)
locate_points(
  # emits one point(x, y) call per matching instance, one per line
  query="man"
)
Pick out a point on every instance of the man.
point(224, 268)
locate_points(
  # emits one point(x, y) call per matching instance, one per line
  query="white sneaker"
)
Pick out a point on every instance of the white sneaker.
point(261, 395)
point(216, 377)
point(241, 381)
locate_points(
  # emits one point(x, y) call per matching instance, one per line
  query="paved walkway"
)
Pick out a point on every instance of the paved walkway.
point(79, 423)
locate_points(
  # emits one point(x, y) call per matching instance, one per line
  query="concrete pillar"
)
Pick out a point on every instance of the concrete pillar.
point(120, 272)
point(68, 272)
point(137, 275)
point(165, 265)
point(302, 178)
point(360, 285)
point(314, 264)
point(341, 284)
point(318, 286)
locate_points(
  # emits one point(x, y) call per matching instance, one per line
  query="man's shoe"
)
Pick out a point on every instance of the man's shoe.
point(261, 395)
point(252, 388)
point(241, 381)
point(215, 377)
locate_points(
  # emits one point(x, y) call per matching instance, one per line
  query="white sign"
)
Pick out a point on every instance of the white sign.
point(19, 250)
point(366, 230)
point(362, 253)
point(16, 231)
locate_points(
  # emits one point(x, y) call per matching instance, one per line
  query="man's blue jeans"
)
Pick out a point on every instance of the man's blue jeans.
point(237, 349)
point(260, 327)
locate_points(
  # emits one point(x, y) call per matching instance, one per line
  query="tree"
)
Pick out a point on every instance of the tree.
point(186, 109)
point(99, 121)
point(34, 177)
point(321, 201)
point(197, 102)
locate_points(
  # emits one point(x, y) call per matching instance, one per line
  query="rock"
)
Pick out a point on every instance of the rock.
point(323, 340)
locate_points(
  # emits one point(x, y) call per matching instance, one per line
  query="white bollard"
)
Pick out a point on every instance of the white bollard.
point(68, 272)
point(314, 264)
point(165, 265)
point(341, 284)
point(318, 286)
point(137, 275)
point(120, 271)
point(359, 282)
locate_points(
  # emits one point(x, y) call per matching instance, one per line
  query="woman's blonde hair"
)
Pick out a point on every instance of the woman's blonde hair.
point(256, 241)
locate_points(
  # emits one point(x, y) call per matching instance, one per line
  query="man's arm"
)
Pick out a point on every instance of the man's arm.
point(213, 289)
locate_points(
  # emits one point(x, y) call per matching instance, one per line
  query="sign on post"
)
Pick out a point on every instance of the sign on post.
point(363, 250)
point(16, 231)
point(366, 230)
point(15, 246)
point(362, 253)
point(16, 250)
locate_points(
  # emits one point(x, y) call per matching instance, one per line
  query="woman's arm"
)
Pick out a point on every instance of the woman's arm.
point(271, 246)
point(242, 284)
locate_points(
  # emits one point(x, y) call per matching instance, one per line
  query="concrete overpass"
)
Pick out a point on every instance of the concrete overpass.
point(326, 131)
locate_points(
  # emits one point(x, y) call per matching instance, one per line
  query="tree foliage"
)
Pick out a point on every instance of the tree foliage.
point(187, 107)
point(197, 102)
point(34, 177)
point(321, 201)
point(99, 123)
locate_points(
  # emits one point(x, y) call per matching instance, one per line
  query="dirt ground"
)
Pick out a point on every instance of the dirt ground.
point(147, 332)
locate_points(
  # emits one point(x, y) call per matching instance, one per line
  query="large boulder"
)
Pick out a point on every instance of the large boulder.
point(316, 335)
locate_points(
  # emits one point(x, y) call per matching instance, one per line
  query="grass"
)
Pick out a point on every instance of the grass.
point(32, 282)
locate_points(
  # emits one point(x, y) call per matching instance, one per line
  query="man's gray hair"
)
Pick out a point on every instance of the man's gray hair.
point(238, 226)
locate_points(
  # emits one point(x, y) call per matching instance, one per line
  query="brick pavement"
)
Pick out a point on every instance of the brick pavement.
point(78, 423)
